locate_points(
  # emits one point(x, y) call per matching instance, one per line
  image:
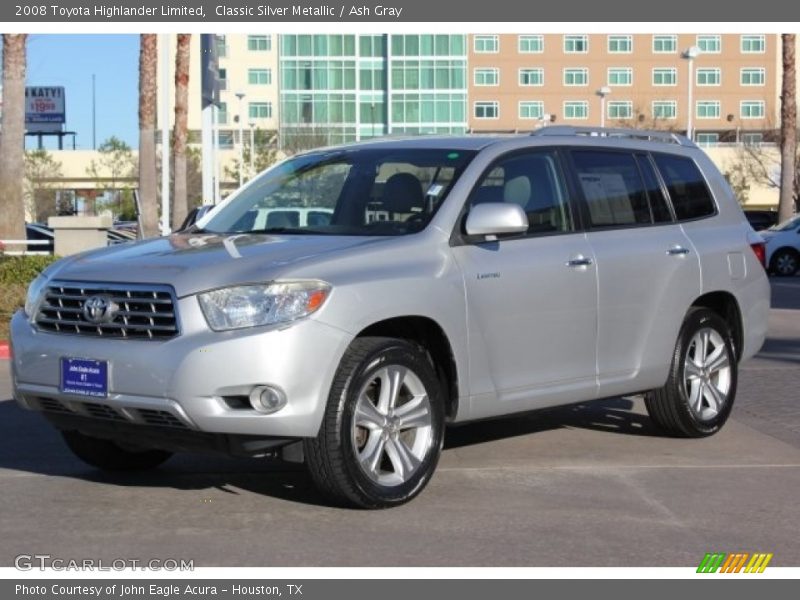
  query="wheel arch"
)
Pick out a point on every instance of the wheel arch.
point(726, 306)
point(430, 335)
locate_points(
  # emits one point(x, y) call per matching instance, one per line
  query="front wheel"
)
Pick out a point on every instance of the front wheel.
point(698, 396)
point(383, 427)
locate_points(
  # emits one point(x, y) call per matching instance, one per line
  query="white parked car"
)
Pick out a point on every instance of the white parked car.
point(783, 247)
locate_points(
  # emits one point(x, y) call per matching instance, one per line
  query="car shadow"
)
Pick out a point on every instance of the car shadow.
point(29, 444)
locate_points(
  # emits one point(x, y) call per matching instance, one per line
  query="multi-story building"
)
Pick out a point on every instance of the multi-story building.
point(339, 88)
point(248, 70)
point(519, 82)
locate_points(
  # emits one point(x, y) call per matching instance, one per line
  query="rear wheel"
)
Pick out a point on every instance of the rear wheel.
point(382, 432)
point(698, 396)
point(109, 456)
point(785, 262)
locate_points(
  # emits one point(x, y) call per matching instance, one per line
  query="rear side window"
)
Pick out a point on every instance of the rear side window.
point(613, 188)
point(690, 196)
point(658, 202)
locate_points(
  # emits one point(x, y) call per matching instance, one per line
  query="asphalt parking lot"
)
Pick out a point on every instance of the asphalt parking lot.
point(590, 485)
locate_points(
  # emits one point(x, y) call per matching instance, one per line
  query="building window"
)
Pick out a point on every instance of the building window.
point(486, 44)
point(222, 113)
point(707, 139)
point(709, 44)
point(259, 43)
point(752, 139)
point(259, 76)
point(530, 44)
point(665, 44)
point(487, 76)
point(753, 76)
point(574, 77)
point(222, 47)
point(665, 109)
point(576, 109)
point(620, 44)
point(223, 78)
point(620, 76)
point(487, 110)
point(708, 109)
point(668, 76)
point(531, 109)
point(576, 44)
point(620, 109)
point(753, 44)
point(751, 109)
point(706, 76)
point(529, 77)
point(260, 110)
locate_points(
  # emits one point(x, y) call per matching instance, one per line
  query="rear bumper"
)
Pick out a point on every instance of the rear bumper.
point(181, 383)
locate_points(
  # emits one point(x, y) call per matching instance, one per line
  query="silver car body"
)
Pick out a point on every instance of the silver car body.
point(538, 322)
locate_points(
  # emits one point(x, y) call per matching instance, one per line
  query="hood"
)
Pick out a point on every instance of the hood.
point(193, 263)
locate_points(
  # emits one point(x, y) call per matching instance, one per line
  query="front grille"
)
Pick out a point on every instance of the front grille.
point(101, 411)
point(139, 312)
point(160, 417)
point(52, 405)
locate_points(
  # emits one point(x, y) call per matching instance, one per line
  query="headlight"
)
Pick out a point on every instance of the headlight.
point(253, 305)
point(35, 294)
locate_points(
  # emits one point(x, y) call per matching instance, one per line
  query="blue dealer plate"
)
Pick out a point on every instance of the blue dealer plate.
point(84, 377)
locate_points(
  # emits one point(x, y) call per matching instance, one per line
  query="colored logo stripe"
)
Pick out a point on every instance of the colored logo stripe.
point(733, 563)
point(758, 563)
point(711, 562)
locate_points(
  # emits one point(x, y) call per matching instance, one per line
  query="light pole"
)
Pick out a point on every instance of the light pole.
point(240, 96)
point(603, 92)
point(690, 54)
point(252, 149)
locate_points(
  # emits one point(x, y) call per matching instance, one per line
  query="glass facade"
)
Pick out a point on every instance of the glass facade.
point(341, 88)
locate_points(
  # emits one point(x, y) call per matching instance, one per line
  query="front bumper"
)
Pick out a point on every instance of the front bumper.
point(180, 383)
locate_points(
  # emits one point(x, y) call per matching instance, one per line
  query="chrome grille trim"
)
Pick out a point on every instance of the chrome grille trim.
point(146, 312)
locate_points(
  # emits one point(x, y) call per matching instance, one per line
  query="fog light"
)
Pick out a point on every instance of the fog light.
point(266, 399)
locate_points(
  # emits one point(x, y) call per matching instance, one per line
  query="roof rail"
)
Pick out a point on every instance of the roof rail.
point(666, 137)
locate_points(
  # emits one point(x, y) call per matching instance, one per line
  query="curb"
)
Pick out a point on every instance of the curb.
point(5, 351)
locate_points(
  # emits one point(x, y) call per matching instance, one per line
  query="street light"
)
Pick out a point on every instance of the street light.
point(252, 149)
point(240, 96)
point(545, 119)
point(690, 54)
point(603, 92)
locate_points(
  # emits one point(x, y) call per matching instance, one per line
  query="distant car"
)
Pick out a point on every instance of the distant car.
point(783, 247)
point(761, 219)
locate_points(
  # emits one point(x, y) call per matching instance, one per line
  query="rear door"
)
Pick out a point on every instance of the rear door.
point(648, 273)
point(531, 299)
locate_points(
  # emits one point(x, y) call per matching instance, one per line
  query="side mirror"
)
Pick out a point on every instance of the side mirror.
point(494, 218)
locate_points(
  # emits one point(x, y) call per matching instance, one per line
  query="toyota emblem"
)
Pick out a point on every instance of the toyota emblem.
point(99, 309)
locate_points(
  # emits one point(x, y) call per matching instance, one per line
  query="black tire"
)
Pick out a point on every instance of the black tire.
point(785, 262)
point(669, 407)
point(332, 456)
point(108, 456)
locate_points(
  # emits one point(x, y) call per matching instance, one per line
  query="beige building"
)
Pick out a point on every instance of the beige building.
point(627, 79)
point(248, 65)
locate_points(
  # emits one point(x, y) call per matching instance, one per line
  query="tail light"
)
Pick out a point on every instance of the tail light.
point(760, 250)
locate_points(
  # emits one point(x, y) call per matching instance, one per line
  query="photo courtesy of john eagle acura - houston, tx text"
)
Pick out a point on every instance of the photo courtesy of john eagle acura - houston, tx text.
point(347, 304)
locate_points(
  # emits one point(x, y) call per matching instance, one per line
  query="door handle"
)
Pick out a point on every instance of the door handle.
point(579, 261)
point(677, 251)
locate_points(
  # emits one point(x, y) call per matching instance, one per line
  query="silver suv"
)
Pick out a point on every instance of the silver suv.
point(440, 280)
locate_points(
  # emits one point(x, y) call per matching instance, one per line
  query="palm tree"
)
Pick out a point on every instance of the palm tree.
point(788, 129)
point(180, 132)
point(12, 139)
point(148, 56)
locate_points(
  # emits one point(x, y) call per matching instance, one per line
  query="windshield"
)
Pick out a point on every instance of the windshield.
point(787, 225)
point(363, 191)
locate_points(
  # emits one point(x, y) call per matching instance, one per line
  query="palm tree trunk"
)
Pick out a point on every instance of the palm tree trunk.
point(148, 56)
point(788, 129)
point(12, 140)
point(180, 133)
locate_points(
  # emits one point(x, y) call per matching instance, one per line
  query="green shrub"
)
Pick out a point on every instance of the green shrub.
point(16, 272)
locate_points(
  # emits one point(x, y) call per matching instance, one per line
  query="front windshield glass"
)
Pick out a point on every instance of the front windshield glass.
point(345, 192)
point(787, 225)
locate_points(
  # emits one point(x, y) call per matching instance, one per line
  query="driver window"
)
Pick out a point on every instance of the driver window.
point(534, 181)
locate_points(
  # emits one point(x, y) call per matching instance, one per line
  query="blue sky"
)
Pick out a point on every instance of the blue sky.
point(70, 60)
